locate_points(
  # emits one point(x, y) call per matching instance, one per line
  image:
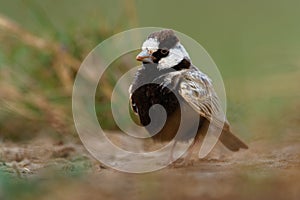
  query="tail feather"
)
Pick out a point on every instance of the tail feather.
point(231, 141)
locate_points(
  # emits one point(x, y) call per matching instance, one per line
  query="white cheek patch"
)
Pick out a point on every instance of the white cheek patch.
point(151, 44)
point(176, 55)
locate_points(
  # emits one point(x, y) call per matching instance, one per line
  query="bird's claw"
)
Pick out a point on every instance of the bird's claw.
point(182, 162)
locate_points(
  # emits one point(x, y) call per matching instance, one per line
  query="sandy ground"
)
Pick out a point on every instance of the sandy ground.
point(57, 170)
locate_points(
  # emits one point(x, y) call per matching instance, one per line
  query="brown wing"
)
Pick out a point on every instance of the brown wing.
point(197, 90)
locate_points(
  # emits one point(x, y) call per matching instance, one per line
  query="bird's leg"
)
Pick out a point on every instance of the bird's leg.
point(171, 158)
point(187, 159)
point(191, 149)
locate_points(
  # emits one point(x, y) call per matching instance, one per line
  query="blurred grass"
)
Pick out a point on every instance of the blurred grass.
point(9, 184)
point(38, 69)
point(21, 187)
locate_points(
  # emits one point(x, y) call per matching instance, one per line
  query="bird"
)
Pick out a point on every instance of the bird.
point(168, 78)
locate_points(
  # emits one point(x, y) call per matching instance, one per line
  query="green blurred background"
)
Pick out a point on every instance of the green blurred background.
point(254, 43)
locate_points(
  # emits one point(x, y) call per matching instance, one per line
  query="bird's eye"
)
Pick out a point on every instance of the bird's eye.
point(164, 51)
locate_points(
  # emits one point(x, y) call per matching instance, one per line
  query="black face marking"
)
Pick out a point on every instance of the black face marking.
point(184, 64)
point(164, 51)
point(159, 54)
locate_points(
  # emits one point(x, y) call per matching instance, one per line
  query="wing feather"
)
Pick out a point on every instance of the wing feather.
point(197, 90)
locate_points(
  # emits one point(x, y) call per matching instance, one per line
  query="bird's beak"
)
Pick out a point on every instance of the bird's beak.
point(144, 56)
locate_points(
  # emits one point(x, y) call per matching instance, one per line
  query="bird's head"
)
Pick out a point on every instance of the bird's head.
point(164, 49)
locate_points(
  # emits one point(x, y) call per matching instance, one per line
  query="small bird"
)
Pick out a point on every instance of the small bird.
point(169, 79)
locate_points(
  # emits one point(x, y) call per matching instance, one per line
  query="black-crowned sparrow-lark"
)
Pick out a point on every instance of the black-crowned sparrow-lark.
point(167, 76)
